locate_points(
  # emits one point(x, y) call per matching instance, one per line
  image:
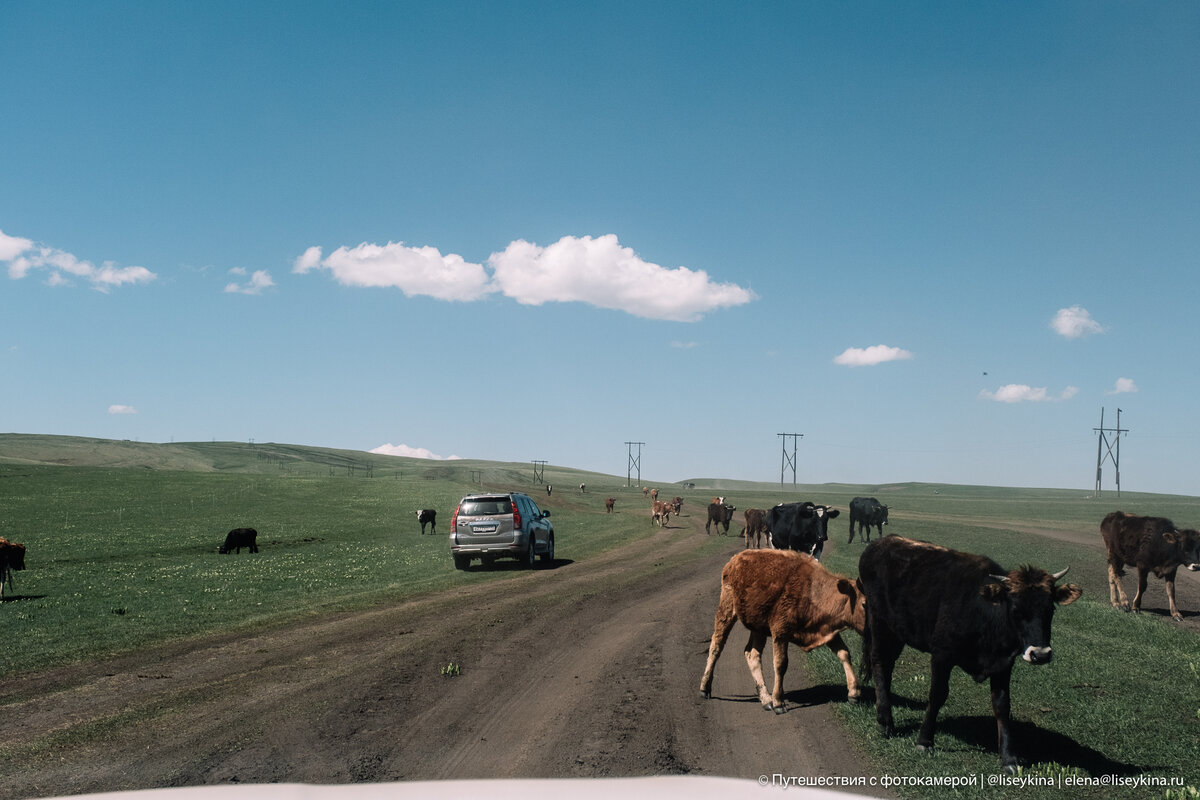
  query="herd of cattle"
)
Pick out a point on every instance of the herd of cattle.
point(965, 610)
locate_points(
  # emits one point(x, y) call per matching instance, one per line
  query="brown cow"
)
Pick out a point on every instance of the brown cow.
point(793, 598)
point(660, 512)
point(756, 526)
point(654, 494)
point(677, 504)
point(12, 557)
point(609, 502)
point(1152, 544)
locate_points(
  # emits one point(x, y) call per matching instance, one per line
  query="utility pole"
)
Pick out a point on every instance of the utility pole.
point(539, 472)
point(635, 463)
point(788, 460)
point(1109, 450)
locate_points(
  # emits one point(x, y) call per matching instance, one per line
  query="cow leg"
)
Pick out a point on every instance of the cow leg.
point(722, 625)
point(939, 690)
point(1116, 589)
point(1143, 574)
point(885, 649)
point(779, 649)
point(754, 649)
point(1169, 580)
point(1001, 708)
point(838, 646)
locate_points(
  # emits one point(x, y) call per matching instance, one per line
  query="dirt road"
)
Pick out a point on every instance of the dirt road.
point(584, 670)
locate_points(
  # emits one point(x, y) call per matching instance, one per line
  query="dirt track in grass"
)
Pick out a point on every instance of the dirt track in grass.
point(584, 669)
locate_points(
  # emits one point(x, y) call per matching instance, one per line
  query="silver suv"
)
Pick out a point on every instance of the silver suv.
point(500, 525)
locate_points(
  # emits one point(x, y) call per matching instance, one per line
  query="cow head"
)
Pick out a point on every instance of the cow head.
point(14, 552)
point(1030, 595)
point(820, 516)
point(1187, 543)
point(856, 600)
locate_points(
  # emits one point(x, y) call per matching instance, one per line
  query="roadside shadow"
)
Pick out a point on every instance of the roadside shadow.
point(509, 565)
point(13, 598)
point(1033, 744)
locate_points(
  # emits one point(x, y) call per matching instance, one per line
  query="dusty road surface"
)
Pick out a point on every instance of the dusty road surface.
point(588, 669)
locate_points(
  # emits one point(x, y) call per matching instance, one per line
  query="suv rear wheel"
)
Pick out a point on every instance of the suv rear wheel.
point(548, 556)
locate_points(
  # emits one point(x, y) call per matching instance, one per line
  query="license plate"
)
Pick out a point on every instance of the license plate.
point(484, 528)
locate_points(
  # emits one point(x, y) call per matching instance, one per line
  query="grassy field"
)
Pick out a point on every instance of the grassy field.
point(122, 544)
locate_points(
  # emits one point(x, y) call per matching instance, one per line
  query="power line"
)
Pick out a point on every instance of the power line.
point(1113, 451)
point(788, 461)
point(635, 462)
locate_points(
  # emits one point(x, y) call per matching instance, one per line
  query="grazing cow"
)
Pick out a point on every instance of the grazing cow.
point(720, 513)
point(660, 512)
point(549, 490)
point(238, 538)
point(793, 598)
point(677, 504)
point(654, 494)
point(867, 512)
point(583, 487)
point(427, 516)
point(964, 610)
point(800, 526)
point(609, 502)
point(1152, 544)
point(756, 526)
point(645, 491)
point(12, 558)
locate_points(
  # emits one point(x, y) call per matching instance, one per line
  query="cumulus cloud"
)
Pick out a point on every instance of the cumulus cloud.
point(1123, 386)
point(411, 452)
point(1074, 323)
point(1020, 393)
point(598, 271)
point(23, 257)
point(261, 279)
point(870, 356)
point(412, 270)
point(120, 409)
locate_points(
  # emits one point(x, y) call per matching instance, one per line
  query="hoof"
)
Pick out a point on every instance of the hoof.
point(925, 748)
point(706, 695)
point(854, 698)
point(779, 709)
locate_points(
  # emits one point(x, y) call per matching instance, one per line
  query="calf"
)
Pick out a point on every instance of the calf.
point(609, 502)
point(800, 526)
point(427, 516)
point(720, 513)
point(677, 504)
point(660, 512)
point(238, 538)
point(966, 611)
point(12, 558)
point(867, 512)
point(756, 526)
point(1150, 544)
point(795, 600)
point(654, 494)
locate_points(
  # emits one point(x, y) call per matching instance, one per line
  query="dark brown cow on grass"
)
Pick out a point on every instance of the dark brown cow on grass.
point(721, 514)
point(966, 611)
point(756, 526)
point(677, 504)
point(427, 516)
point(238, 538)
point(12, 558)
point(1152, 544)
point(795, 600)
point(609, 502)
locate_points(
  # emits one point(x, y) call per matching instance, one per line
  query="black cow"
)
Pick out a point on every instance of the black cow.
point(800, 526)
point(427, 516)
point(12, 557)
point(238, 538)
point(867, 512)
point(1152, 544)
point(964, 610)
point(720, 513)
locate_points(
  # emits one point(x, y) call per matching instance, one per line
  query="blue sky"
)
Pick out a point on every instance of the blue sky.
point(936, 239)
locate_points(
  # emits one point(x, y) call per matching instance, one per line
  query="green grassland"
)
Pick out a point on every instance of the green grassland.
point(122, 540)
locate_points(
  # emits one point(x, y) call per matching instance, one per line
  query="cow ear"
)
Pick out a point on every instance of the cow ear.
point(993, 592)
point(845, 587)
point(833, 512)
point(1066, 594)
point(1171, 537)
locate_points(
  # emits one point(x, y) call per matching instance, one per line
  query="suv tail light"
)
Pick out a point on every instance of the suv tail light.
point(454, 520)
point(516, 518)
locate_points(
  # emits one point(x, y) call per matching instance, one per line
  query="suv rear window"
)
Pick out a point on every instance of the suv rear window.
point(486, 505)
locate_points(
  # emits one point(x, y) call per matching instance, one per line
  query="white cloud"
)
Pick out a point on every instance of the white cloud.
point(411, 452)
point(597, 271)
point(413, 270)
point(1075, 322)
point(1123, 386)
point(600, 272)
point(120, 409)
point(870, 356)
point(1020, 393)
point(23, 256)
point(261, 279)
point(684, 345)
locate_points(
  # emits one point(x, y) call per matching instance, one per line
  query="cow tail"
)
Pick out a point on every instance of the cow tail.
point(866, 666)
